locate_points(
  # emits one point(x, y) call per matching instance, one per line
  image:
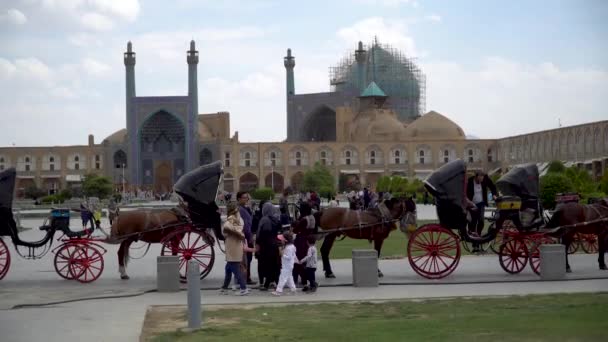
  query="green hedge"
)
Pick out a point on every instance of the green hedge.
point(51, 199)
point(262, 194)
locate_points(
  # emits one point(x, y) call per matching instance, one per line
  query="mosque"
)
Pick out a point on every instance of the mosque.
point(372, 123)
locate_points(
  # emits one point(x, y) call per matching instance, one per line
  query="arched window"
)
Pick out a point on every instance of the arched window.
point(27, 159)
point(247, 159)
point(421, 156)
point(323, 157)
point(347, 155)
point(273, 158)
point(51, 159)
point(205, 157)
point(446, 156)
point(470, 155)
point(227, 159)
point(120, 159)
point(298, 158)
point(97, 162)
point(489, 155)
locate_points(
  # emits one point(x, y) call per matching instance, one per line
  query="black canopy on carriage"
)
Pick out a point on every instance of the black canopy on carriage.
point(7, 186)
point(200, 184)
point(447, 185)
point(521, 181)
point(199, 189)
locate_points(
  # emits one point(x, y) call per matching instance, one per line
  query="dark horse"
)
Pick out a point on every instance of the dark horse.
point(153, 226)
point(574, 213)
point(373, 225)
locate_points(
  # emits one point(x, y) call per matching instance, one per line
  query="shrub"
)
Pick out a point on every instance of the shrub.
point(51, 199)
point(262, 194)
point(556, 166)
point(326, 192)
point(604, 183)
point(550, 185)
point(34, 192)
point(65, 194)
point(317, 178)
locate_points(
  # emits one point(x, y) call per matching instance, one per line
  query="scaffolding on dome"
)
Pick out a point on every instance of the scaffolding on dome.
point(395, 73)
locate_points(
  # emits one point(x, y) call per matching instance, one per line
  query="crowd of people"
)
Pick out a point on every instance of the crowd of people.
point(285, 250)
point(144, 195)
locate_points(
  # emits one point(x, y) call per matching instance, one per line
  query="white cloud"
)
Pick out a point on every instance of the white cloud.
point(95, 15)
point(95, 68)
point(388, 3)
point(13, 16)
point(83, 39)
point(96, 22)
point(504, 97)
point(387, 30)
point(126, 9)
point(434, 18)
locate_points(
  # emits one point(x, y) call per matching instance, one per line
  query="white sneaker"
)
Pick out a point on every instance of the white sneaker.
point(224, 291)
point(275, 293)
point(243, 292)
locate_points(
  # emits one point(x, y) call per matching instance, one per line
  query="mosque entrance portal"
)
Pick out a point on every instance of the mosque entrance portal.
point(162, 176)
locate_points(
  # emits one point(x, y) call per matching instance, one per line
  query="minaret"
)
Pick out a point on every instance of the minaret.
point(290, 62)
point(132, 152)
point(191, 131)
point(360, 57)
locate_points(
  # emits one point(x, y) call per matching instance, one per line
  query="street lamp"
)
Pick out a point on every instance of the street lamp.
point(123, 180)
point(272, 178)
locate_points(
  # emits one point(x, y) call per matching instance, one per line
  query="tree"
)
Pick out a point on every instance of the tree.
point(318, 178)
point(550, 185)
point(262, 194)
point(556, 166)
point(97, 186)
point(34, 192)
point(604, 183)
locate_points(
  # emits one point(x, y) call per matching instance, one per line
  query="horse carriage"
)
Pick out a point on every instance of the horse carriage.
point(80, 255)
point(434, 250)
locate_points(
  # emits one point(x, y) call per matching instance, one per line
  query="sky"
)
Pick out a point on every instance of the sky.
point(496, 68)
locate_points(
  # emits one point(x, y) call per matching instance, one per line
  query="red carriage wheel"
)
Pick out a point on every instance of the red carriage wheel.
point(87, 263)
point(5, 259)
point(190, 244)
point(63, 260)
point(513, 255)
point(574, 244)
point(504, 231)
point(589, 243)
point(534, 252)
point(433, 251)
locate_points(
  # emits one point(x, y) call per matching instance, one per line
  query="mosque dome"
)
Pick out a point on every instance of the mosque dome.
point(433, 125)
point(377, 125)
point(117, 137)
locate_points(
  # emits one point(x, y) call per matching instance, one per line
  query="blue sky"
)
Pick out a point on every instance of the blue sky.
point(521, 64)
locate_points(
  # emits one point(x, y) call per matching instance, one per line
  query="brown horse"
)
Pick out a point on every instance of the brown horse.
point(574, 214)
point(154, 225)
point(373, 225)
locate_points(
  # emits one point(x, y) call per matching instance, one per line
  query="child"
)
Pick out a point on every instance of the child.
point(97, 216)
point(233, 231)
point(287, 261)
point(311, 264)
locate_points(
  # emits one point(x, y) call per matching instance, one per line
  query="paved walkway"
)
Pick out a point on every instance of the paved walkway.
point(120, 319)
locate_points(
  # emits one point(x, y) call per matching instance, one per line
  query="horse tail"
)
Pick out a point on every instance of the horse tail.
point(126, 257)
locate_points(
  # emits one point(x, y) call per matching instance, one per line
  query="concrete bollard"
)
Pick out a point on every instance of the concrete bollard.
point(552, 261)
point(365, 268)
point(194, 295)
point(167, 273)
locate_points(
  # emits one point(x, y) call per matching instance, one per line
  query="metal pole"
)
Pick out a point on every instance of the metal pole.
point(123, 181)
point(272, 178)
point(194, 295)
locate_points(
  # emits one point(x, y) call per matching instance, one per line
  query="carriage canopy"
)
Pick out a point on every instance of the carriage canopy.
point(447, 183)
point(521, 181)
point(7, 187)
point(201, 184)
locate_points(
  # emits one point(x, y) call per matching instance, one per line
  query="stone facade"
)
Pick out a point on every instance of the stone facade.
point(362, 138)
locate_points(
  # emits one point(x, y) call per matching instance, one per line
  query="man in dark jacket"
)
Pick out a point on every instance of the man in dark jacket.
point(477, 192)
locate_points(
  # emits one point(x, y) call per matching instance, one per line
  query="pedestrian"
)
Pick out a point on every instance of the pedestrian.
point(303, 228)
point(247, 216)
point(477, 192)
point(333, 203)
point(287, 261)
point(284, 201)
point(269, 262)
point(310, 261)
point(97, 216)
point(235, 238)
point(285, 218)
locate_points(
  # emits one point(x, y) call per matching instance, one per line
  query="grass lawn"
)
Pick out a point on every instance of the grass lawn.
point(562, 317)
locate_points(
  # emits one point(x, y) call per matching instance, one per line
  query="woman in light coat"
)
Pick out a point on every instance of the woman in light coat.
point(233, 231)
